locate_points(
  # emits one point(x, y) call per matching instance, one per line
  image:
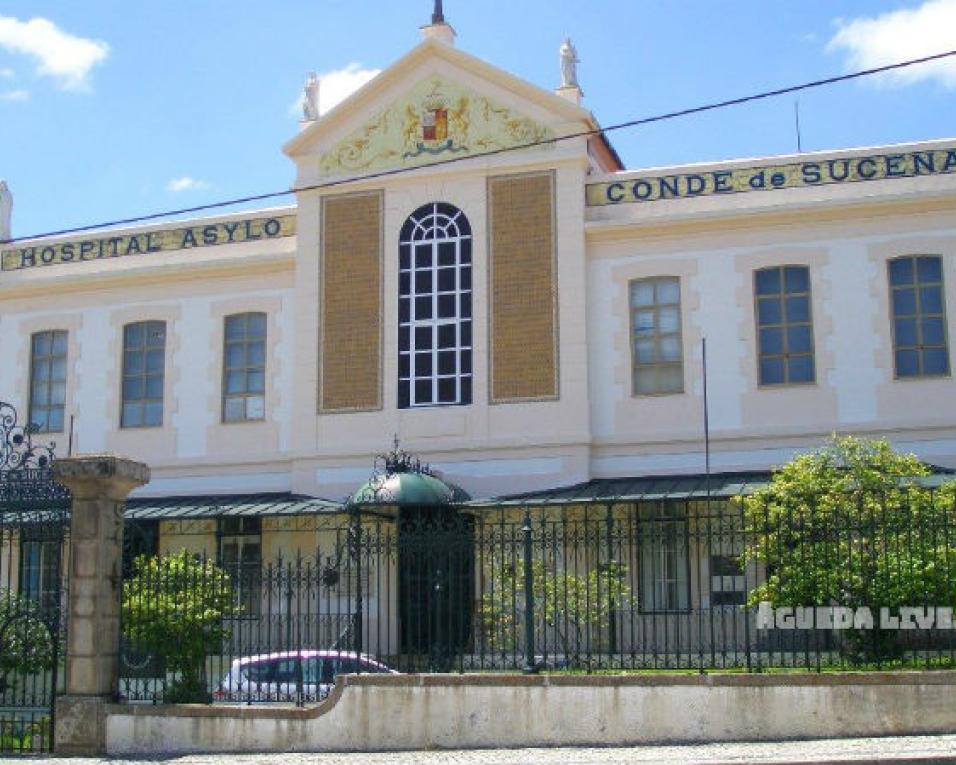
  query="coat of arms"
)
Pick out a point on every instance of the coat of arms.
point(436, 127)
point(435, 119)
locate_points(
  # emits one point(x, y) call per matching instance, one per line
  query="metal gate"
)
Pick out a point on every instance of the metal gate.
point(34, 530)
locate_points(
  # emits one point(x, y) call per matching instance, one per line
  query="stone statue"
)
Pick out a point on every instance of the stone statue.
point(310, 103)
point(6, 209)
point(569, 64)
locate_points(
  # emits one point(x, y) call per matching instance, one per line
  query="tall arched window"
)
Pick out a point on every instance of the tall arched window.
point(434, 308)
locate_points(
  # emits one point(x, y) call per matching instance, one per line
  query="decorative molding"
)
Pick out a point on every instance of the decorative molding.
point(437, 119)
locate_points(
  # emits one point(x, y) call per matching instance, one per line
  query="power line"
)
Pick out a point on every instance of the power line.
point(494, 152)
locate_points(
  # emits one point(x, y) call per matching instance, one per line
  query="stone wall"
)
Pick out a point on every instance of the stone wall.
point(377, 712)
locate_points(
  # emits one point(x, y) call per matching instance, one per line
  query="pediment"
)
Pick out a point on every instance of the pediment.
point(433, 104)
point(435, 120)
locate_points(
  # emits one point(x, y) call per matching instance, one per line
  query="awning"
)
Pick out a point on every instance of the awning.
point(696, 486)
point(643, 489)
point(248, 505)
point(408, 489)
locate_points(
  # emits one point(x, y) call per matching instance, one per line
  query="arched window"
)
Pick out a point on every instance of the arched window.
point(434, 308)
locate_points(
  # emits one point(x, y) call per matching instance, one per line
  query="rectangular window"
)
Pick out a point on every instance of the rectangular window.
point(656, 336)
point(144, 362)
point(40, 570)
point(665, 581)
point(240, 554)
point(48, 380)
point(920, 347)
point(244, 368)
point(784, 325)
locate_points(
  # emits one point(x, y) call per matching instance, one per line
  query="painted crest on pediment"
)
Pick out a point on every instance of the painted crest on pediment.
point(435, 120)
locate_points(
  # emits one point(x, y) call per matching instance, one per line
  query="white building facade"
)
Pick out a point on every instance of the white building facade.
point(468, 267)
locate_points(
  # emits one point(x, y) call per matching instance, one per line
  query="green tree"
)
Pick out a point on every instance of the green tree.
point(848, 525)
point(174, 606)
point(567, 605)
point(26, 644)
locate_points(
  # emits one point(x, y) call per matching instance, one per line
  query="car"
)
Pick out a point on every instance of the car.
point(292, 676)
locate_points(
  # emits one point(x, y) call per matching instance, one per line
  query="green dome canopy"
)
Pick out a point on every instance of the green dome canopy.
point(403, 481)
point(408, 490)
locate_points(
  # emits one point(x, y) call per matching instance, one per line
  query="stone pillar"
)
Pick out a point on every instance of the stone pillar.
point(100, 485)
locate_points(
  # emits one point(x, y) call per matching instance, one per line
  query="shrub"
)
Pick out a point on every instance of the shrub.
point(26, 642)
point(174, 606)
point(847, 525)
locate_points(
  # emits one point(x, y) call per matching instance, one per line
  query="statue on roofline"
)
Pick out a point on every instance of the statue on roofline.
point(310, 101)
point(569, 64)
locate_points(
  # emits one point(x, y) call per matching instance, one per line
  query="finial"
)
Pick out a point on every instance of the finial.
point(310, 100)
point(439, 29)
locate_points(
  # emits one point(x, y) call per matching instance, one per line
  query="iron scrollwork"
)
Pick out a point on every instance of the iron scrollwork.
point(17, 450)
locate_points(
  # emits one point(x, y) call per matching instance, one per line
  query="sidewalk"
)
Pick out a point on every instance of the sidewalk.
point(910, 750)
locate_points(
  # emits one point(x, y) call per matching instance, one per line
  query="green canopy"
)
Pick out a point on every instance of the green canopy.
point(408, 489)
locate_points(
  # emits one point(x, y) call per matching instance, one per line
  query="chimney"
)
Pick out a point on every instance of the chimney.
point(6, 209)
point(439, 29)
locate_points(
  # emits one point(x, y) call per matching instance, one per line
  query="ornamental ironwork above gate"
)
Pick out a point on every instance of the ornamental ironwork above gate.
point(26, 468)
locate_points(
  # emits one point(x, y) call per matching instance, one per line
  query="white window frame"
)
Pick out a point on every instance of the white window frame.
point(456, 230)
point(656, 336)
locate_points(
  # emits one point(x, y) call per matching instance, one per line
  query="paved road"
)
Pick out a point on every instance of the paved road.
point(911, 750)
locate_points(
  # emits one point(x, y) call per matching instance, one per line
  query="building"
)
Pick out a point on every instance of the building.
point(469, 267)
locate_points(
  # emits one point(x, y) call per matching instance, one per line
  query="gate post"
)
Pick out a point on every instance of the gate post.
point(100, 485)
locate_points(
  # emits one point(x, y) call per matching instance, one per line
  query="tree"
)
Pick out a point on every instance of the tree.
point(566, 605)
point(848, 525)
point(26, 642)
point(174, 606)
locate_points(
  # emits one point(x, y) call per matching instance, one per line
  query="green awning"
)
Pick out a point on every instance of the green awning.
point(652, 488)
point(643, 489)
point(251, 505)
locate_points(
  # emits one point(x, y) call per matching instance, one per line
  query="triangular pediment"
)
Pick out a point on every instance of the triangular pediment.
point(436, 119)
point(434, 104)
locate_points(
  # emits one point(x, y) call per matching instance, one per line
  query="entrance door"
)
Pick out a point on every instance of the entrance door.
point(436, 586)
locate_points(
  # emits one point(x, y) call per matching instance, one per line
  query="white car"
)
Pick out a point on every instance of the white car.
point(292, 676)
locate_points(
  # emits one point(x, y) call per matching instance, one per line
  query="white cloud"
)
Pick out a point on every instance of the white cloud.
point(336, 86)
point(185, 183)
point(899, 36)
point(15, 95)
point(7, 74)
point(65, 57)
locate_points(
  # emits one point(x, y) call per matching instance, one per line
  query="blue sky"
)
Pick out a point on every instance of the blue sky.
point(111, 108)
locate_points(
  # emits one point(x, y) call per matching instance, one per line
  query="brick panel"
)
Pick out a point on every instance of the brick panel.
point(351, 303)
point(523, 297)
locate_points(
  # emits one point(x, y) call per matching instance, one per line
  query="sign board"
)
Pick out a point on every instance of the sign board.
point(148, 242)
point(813, 172)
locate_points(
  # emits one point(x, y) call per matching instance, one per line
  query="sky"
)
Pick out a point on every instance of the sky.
point(111, 108)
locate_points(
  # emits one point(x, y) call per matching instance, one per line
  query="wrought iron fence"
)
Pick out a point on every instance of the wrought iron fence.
point(34, 532)
point(666, 585)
